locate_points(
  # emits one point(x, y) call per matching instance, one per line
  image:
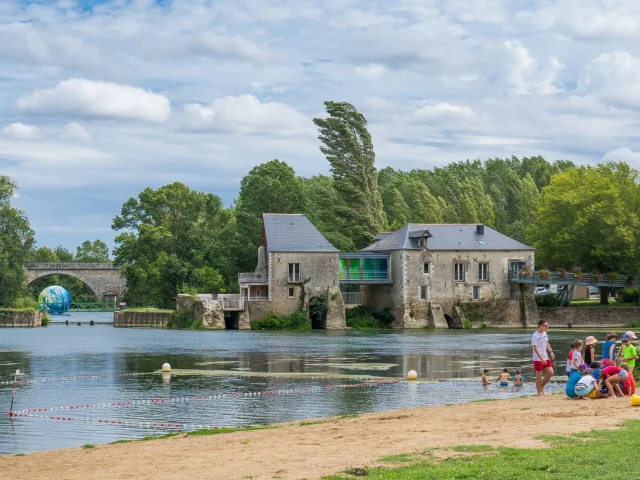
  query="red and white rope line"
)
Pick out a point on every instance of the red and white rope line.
point(160, 401)
point(229, 374)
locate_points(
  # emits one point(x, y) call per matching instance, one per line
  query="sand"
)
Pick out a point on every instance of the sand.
point(291, 451)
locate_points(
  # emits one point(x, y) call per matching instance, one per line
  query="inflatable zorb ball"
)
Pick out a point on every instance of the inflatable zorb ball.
point(54, 299)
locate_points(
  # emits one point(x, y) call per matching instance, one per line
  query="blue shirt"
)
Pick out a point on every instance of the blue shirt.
point(596, 374)
point(571, 384)
point(606, 346)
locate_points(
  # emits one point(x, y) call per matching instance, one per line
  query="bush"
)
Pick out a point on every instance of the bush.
point(365, 318)
point(547, 301)
point(318, 309)
point(45, 320)
point(27, 304)
point(627, 295)
point(295, 321)
point(184, 319)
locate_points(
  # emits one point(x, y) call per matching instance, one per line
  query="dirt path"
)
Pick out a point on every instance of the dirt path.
point(291, 451)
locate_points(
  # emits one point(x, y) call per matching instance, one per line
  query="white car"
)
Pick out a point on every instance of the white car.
point(541, 291)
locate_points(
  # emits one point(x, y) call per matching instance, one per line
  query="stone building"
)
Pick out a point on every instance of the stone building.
point(295, 263)
point(433, 269)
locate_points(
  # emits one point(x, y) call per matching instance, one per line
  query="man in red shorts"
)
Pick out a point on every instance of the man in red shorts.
point(541, 361)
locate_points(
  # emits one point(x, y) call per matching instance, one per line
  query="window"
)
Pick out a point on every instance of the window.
point(513, 292)
point(424, 292)
point(459, 272)
point(483, 272)
point(425, 268)
point(292, 292)
point(482, 242)
point(476, 293)
point(294, 272)
point(422, 241)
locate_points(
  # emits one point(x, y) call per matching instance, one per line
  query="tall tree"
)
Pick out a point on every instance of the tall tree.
point(346, 143)
point(168, 236)
point(64, 255)
point(582, 219)
point(271, 187)
point(92, 252)
point(44, 255)
point(16, 239)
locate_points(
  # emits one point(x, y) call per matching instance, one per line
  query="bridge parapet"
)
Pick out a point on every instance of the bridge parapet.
point(70, 266)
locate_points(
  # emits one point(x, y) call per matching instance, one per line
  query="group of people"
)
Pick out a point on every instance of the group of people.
point(610, 378)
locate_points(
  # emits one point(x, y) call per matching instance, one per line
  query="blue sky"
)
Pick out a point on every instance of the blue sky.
point(100, 99)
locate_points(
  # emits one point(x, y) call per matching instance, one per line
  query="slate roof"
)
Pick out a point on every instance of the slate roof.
point(444, 237)
point(293, 233)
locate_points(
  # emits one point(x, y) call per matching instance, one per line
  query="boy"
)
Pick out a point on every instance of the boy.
point(576, 359)
point(503, 379)
point(587, 383)
point(485, 380)
point(612, 376)
point(518, 380)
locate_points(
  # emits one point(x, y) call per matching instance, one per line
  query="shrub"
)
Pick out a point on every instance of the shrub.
point(627, 295)
point(295, 321)
point(548, 301)
point(45, 320)
point(185, 319)
point(318, 308)
point(473, 313)
point(365, 318)
point(26, 304)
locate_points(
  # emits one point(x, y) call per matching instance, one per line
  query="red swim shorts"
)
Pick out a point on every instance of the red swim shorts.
point(540, 366)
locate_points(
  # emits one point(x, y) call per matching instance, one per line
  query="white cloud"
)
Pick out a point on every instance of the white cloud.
point(75, 131)
point(246, 114)
point(443, 109)
point(371, 70)
point(100, 99)
point(21, 131)
point(235, 46)
point(526, 76)
point(624, 154)
point(613, 77)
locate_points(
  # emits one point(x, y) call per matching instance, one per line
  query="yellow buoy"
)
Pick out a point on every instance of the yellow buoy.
point(635, 400)
point(166, 367)
point(412, 375)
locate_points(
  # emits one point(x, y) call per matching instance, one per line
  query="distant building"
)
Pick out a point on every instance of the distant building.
point(434, 268)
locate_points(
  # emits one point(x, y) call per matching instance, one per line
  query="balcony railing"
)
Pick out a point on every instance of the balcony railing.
point(256, 298)
point(571, 278)
point(367, 275)
point(252, 278)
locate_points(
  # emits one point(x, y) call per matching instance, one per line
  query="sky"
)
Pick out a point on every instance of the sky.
point(100, 99)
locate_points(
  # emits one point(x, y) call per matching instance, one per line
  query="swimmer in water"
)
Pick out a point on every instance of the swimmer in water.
point(518, 380)
point(503, 379)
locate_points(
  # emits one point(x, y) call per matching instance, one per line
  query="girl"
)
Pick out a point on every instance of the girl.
point(590, 350)
point(569, 358)
point(576, 358)
point(612, 376)
point(608, 350)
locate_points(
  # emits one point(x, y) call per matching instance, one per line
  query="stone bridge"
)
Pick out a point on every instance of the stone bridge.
point(103, 278)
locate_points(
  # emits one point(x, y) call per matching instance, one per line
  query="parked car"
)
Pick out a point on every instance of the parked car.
point(541, 291)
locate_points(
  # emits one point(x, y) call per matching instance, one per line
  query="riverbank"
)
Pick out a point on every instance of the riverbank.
point(312, 449)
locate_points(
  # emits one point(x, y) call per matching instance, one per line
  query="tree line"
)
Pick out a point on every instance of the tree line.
point(175, 239)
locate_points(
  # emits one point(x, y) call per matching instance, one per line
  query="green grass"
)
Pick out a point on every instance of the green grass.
point(195, 433)
point(596, 304)
point(88, 445)
point(474, 448)
point(20, 454)
point(599, 454)
point(399, 458)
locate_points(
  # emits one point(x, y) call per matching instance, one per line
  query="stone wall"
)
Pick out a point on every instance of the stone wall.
point(20, 319)
point(203, 308)
point(124, 318)
point(589, 317)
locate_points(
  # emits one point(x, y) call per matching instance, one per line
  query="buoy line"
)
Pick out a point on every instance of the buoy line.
point(191, 398)
point(68, 379)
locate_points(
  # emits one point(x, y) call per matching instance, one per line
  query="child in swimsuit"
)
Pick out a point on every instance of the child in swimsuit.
point(485, 380)
point(518, 380)
point(503, 379)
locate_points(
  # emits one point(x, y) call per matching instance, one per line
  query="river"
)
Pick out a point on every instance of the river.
point(103, 352)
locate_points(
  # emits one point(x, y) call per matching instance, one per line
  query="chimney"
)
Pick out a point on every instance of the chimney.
point(479, 229)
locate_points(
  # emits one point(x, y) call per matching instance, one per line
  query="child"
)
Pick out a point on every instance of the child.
point(609, 350)
point(587, 383)
point(518, 380)
point(485, 380)
point(628, 353)
point(576, 359)
point(595, 367)
point(590, 350)
point(612, 376)
point(503, 379)
point(569, 358)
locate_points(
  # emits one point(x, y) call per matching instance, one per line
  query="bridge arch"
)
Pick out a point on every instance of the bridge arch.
point(102, 278)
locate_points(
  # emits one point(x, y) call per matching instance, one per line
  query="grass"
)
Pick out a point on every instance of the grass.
point(88, 445)
point(398, 458)
point(195, 433)
point(598, 454)
point(596, 304)
point(328, 420)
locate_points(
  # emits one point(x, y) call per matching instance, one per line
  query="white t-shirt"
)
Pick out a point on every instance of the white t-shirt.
point(585, 382)
point(540, 339)
point(577, 358)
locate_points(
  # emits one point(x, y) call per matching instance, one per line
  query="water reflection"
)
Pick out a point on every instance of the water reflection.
point(60, 351)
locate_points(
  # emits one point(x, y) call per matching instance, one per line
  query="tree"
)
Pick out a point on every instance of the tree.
point(44, 255)
point(346, 143)
point(582, 220)
point(16, 238)
point(64, 255)
point(271, 187)
point(171, 239)
point(92, 252)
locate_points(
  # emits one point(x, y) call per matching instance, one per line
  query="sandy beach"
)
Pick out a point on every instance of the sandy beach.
point(292, 451)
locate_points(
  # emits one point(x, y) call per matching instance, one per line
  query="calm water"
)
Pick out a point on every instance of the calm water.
point(64, 351)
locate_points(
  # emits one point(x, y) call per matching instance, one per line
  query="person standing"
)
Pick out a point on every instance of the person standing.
point(590, 350)
point(541, 352)
point(609, 350)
